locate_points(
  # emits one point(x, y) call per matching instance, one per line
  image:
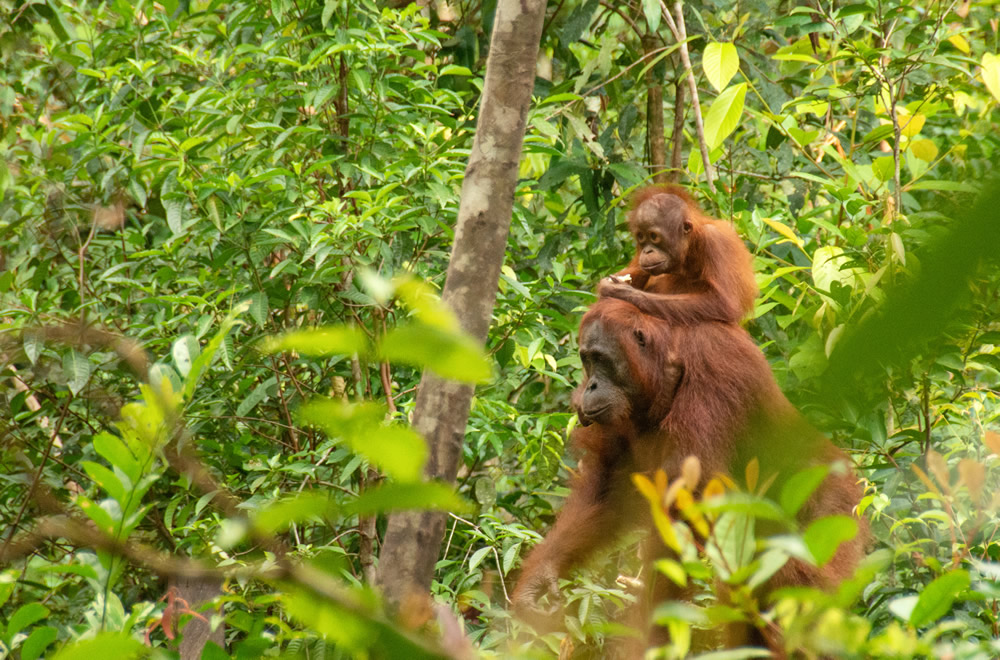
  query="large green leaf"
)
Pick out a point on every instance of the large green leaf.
point(397, 450)
point(937, 597)
point(403, 497)
point(330, 340)
point(825, 535)
point(104, 645)
point(721, 62)
point(724, 115)
point(450, 354)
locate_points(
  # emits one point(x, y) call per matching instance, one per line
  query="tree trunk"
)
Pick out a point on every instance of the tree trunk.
point(676, 160)
point(654, 118)
point(413, 539)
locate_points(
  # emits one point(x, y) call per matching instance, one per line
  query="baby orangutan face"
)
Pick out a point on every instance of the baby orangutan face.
point(661, 230)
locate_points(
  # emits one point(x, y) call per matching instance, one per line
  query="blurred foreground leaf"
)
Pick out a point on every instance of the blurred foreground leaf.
point(919, 310)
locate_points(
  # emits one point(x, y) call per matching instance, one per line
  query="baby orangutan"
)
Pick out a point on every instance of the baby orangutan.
point(688, 268)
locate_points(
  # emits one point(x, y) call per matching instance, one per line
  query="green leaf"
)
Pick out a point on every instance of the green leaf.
point(800, 486)
point(427, 306)
point(732, 544)
point(477, 557)
point(185, 350)
point(8, 580)
point(104, 645)
point(651, 10)
point(259, 308)
point(397, 450)
point(454, 70)
point(452, 355)
point(724, 115)
point(204, 359)
point(99, 516)
point(37, 642)
point(24, 617)
point(402, 497)
point(330, 340)
point(106, 479)
point(884, 168)
point(161, 374)
point(115, 452)
point(937, 597)
point(303, 506)
point(721, 62)
point(924, 149)
point(353, 627)
point(77, 368)
point(947, 186)
point(991, 73)
point(825, 535)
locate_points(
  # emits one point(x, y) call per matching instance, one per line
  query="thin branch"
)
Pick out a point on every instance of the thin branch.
point(680, 33)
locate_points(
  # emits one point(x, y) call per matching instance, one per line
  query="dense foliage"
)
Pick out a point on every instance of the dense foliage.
point(181, 180)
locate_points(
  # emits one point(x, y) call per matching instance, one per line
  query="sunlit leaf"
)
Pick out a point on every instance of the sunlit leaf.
point(114, 451)
point(105, 478)
point(451, 355)
point(651, 10)
point(104, 645)
point(330, 340)
point(959, 42)
point(39, 639)
point(673, 570)
point(910, 125)
point(924, 149)
point(397, 450)
point(785, 231)
point(724, 115)
point(721, 62)
point(278, 516)
point(426, 304)
point(991, 73)
point(403, 497)
point(184, 351)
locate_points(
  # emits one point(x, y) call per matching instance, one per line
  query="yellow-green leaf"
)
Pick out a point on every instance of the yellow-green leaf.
point(331, 340)
point(959, 42)
point(451, 354)
point(910, 125)
point(991, 74)
point(784, 230)
point(724, 115)
point(924, 149)
point(721, 62)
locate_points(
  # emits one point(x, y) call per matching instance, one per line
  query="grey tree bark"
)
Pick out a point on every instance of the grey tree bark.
point(413, 539)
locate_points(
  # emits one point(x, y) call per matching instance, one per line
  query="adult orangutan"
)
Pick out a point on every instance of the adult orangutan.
point(688, 268)
point(654, 394)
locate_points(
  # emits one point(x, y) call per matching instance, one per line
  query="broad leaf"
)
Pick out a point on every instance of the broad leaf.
point(721, 62)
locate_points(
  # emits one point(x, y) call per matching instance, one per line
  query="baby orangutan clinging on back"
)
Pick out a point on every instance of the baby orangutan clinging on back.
point(688, 268)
